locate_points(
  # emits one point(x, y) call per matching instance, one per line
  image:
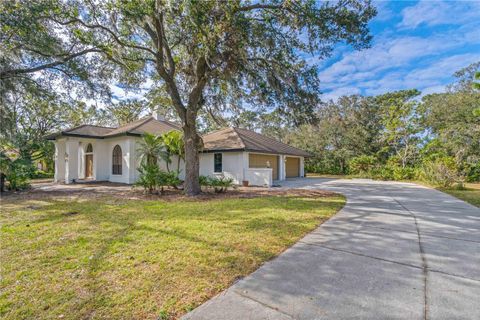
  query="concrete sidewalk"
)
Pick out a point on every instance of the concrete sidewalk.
point(395, 251)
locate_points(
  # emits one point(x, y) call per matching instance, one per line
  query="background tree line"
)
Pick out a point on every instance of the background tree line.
point(213, 64)
point(398, 135)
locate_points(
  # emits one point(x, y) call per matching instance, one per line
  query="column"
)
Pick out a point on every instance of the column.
point(71, 162)
point(281, 165)
point(131, 160)
point(302, 167)
point(59, 161)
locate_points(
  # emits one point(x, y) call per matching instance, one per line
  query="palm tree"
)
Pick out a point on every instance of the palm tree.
point(173, 142)
point(151, 148)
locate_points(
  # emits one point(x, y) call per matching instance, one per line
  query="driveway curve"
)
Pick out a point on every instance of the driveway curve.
point(395, 251)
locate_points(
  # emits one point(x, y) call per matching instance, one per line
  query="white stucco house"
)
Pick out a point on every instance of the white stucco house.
point(99, 153)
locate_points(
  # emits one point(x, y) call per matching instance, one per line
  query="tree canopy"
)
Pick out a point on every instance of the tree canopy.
point(216, 54)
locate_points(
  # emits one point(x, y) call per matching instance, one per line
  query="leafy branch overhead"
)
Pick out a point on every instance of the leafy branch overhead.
point(203, 54)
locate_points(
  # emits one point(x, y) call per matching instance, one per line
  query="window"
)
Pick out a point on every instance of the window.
point(117, 160)
point(89, 148)
point(217, 161)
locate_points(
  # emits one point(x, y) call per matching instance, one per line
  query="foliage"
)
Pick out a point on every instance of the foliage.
point(362, 164)
point(148, 177)
point(151, 148)
point(126, 111)
point(219, 184)
point(14, 169)
point(441, 171)
point(151, 178)
point(218, 55)
point(472, 172)
point(406, 135)
point(476, 85)
point(174, 146)
point(40, 174)
point(168, 179)
point(348, 128)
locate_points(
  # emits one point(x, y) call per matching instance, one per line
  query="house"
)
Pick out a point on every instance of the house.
point(110, 154)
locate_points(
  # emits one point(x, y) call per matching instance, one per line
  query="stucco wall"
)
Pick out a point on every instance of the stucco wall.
point(234, 164)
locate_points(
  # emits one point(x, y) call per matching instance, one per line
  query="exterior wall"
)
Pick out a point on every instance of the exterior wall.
point(70, 162)
point(259, 160)
point(233, 165)
point(259, 176)
point(173, 166)
point(129, 159)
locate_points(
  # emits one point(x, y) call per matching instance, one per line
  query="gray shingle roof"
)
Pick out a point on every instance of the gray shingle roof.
point(243, 139)
point(228, 139)
point(138, 127)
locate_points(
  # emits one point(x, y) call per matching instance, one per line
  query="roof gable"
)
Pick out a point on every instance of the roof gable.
point(137, 127)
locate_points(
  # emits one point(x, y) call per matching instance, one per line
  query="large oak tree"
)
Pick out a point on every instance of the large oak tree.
point(218, 53)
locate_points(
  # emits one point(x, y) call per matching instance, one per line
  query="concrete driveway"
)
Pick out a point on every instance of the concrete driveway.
point(395, 251)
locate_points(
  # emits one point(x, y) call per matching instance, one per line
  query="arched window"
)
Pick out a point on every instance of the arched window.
point(117, 160)
point(89, 148)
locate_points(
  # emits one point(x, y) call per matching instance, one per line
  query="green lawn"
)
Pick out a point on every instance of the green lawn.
point(110, 258)
point(470, 194)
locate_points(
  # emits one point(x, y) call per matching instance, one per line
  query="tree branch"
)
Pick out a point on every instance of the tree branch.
point(99, 26)
point(14, 72)
point(259, 6)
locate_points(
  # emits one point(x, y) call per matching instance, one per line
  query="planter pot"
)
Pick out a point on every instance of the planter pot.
point(245, 183)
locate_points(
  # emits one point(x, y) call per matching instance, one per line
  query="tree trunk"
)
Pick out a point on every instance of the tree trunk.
point(192, 161)
point(2, 182)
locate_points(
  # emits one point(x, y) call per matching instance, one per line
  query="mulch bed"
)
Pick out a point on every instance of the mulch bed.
point(125, 192)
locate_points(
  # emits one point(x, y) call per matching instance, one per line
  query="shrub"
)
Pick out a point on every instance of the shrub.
point(362, 164)
point(219, 185)
point(473, 172)
point(18, 175)
point(407, 173)
point(441, 171)
point(168, 179)
point(40, 174)
point(381, 173)
point(204, 181)
point(149, 176)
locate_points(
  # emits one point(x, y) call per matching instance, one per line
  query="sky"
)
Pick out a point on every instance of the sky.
point(416, 44)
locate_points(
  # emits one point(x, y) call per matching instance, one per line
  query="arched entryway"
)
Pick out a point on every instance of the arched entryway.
point(89, 161)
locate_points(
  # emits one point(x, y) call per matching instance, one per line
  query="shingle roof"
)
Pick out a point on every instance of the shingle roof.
point(138, 127)
point(228, 139)
point(148, 124)
point(243, 139)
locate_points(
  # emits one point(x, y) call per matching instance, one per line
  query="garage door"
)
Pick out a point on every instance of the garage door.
point(292, 167)
point(264, 161)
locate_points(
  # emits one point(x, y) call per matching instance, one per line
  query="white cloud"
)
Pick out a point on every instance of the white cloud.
point(438, 13)
point(393, 53)
point(428, 79)
point(335, 94)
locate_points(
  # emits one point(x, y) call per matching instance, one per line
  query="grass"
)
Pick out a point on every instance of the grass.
point(108, 258)
point(470, 194)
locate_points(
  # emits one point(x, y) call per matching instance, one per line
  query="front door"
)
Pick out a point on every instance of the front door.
point(88, 165)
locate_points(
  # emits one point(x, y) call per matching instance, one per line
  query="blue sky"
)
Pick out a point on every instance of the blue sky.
point(416, 44)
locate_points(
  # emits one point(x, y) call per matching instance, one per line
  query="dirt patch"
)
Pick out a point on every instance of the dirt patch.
point(85, 191)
